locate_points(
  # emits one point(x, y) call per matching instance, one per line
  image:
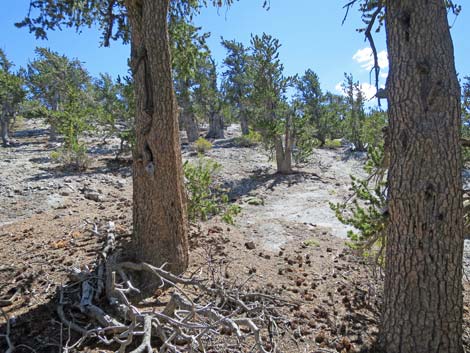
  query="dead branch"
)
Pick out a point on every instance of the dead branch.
point(8, 302)
point(197, 311)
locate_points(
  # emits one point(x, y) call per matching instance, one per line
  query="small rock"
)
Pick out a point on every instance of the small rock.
point(250, 245)
point(252, 270)
point(94, 196)
point(320, 338)
point(255, 201)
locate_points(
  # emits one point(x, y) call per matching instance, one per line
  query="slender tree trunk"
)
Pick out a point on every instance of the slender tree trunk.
point(422, 310)
point(187, 115)
point(160, 219)
point(53, 130)
point(283, 155)
point(244, 123)
point(283, 159)
point(190, 125)
point(216, 126)
point(4, 130)
point(5, 118)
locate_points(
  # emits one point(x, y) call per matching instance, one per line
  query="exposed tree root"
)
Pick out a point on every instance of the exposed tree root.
point(97, 305)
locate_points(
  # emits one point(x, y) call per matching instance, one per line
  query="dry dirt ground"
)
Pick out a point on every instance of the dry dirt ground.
point(286, 240)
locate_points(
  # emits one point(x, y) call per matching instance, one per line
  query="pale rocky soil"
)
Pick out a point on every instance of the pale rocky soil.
point(287, 200)
point(47, 212)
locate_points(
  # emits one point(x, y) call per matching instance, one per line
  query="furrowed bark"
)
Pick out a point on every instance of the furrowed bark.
point(159, 213)
point(423, 282)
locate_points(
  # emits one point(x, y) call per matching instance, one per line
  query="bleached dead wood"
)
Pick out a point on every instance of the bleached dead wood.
point(198, 311)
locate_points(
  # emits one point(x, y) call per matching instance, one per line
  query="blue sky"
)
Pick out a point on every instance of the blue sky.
point(311, 36)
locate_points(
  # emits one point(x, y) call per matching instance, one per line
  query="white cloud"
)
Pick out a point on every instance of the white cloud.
point(366, 59)
point(367, 89)
point(339, 88)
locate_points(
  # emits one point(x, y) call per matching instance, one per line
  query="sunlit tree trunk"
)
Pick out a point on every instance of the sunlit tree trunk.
point(244, 123)
point(422, 309)
point(188, 119)
point(216, 126)
point(283, 149)
point(190, 124)
point(160, 221)
point(4, 123)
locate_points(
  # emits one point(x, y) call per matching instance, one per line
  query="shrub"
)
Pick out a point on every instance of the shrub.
point(366, 210)
point(230, 213)
point(252, 139)
point(205, 199)
point(311, 243)
point(304, 146)
point(202, 145)
point(336, 143)
point(74, 157)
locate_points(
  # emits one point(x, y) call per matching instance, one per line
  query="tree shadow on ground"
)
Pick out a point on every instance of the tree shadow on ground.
point(348, 155)
point(227, 143)
point(263, 179)
point(30, 133)
point(15, 144)
point(38, 329)
point(102, 149)
point(111, 166)
point(40, 160)
point(41, 329)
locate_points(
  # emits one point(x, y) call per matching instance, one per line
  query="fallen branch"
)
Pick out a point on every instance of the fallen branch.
point(197, 311)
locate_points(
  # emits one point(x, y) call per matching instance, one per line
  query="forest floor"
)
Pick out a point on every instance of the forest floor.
point(286, 240)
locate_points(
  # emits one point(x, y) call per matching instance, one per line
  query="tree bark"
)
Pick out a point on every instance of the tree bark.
point(244, 123)
point(190, 124)
point(188, 119)
point(4, 130)
point(284, 150)
point(5, 117)
point(422, 309)
point(159, 214)
point(216, 126)
point(283, 158)
point(53, 128)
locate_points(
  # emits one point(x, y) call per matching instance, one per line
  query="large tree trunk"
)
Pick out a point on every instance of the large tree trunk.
point(216, 126)
point(160, 220)
point(422, 309)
